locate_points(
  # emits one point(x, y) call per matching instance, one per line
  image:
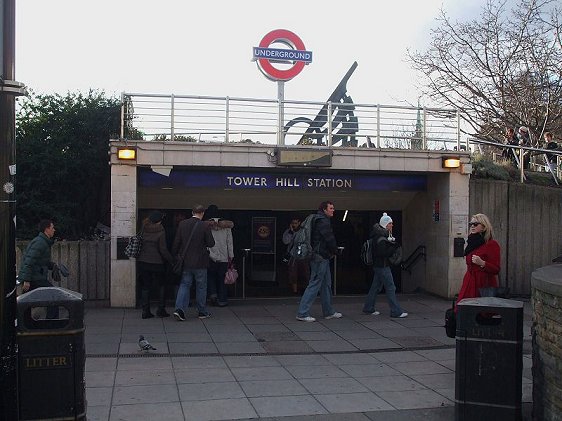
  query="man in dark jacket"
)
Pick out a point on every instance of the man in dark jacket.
point(324, 245)
point(36, 262)
point(197, 236)
point(384, 245)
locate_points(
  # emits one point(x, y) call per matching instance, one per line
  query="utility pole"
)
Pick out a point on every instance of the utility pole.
point(9, 89)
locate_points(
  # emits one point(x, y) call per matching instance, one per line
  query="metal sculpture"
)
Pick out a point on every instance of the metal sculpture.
point(344, 123)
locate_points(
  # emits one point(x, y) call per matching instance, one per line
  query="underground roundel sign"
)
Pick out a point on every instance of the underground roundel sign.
point(296, 55)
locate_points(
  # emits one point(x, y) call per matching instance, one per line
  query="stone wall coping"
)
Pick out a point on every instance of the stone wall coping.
point(548, 279)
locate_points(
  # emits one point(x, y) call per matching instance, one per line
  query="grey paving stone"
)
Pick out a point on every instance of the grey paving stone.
point(240, 348)
point(259, 388)
point(416, 341)
point(204, 348)
point(297, 360)
point(102, 348)
point(438, 354)
point(316, 371)
point(218, 409)
point(287, 406)
point(187, 327)
point(198, 362)
point(436, 381)
point(144, 363)
point(233, 337)
point(209, 391)
point(102, 338)
point(169, 411)
point(369, 370)
point(144, 377)
point(392, 357)
point(97, 413)
point(251, 361)
point(200, 375)
point(261, 373)
point(353, 402)
point(358, 333)
point(435, 414)
point(276, 336)
point(101, 364)
point(292, 347)
point(318, 336)
point(188, 337)
point(127, 395)
point(99, 396)
point(419, 367)
point(267, 329)
point(333, 386)
point(374, 344)
point(133, 348)
point(351, 358)
point(331, 346)
point(392, 383)
point(298, 326)
point(423, 398)
point(99, 378)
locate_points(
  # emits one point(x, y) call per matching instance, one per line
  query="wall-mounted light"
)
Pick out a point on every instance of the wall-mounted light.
point(344, 216)
point(451, 162)
point(128, 154)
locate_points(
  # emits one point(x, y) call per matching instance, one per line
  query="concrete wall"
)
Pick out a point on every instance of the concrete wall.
point(527, 221)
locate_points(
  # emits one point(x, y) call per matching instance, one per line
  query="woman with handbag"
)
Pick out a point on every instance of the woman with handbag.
point(151, 263)
point(221, 255)
point(482, 255)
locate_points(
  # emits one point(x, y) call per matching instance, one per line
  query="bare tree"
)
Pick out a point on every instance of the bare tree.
point(503, 69)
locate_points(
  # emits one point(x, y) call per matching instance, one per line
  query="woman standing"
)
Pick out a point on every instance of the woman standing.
point(482, 254)
point(151, 263)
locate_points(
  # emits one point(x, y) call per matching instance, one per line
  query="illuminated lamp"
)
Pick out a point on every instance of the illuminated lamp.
point(451, 162)
point(128, 154)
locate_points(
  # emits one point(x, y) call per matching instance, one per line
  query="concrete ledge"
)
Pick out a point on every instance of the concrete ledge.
point(548, 279)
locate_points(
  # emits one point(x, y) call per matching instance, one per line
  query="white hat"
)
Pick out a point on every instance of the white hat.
point(385, 220)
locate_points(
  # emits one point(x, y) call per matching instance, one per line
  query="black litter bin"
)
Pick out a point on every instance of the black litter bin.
point(489, 359)
point(51, 355)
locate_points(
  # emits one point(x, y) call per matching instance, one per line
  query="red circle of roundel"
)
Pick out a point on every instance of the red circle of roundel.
point(292, 38)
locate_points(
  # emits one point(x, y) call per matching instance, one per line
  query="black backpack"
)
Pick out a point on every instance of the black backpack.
point(301, 247)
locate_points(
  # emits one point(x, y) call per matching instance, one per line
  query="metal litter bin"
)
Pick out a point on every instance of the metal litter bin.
point(489, 359)
point(51, 355)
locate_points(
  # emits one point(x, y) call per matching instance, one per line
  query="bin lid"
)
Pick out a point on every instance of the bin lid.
point(491, 302)
point(49, 295)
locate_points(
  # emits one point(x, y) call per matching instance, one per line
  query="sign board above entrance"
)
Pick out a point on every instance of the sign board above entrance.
point(243, 180)
point(304, 158)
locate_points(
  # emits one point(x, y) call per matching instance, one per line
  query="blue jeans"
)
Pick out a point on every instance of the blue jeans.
point(382, 277)
point(182, 299)
point(320, 280)
point(215, 281)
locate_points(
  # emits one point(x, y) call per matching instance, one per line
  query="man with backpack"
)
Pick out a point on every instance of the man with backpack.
point(324, 247)
point(383, 246)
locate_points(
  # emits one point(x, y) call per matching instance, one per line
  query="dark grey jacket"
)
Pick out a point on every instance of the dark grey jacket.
point(36, 261)
point(197, 256)
point(382, 250)
point(322, 238)
point(154, 249)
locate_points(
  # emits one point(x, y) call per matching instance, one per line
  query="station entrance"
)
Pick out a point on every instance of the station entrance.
point(260, 254)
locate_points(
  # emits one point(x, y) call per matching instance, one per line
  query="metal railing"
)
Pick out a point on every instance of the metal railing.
point(249, 120)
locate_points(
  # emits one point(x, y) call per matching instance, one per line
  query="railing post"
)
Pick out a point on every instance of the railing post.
point(378, 126)
point(227, 131)
point(522, 164)
point(172, 118)
point(122, 132)
point(329, 124)
point(281, 117)
point(459, 132)
point(424, 137)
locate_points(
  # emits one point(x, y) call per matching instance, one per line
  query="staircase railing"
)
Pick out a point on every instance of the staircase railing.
point(413, 258)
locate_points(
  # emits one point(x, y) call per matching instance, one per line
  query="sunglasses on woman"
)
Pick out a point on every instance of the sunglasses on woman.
point(473, 224)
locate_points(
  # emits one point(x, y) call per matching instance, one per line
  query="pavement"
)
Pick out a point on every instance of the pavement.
point(253, 359)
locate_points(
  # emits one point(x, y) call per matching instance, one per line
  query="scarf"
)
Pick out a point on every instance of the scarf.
point(474, 241)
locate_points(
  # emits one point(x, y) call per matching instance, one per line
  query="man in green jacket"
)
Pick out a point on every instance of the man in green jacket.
point(36, 262)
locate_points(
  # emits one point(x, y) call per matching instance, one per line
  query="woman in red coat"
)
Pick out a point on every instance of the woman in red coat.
point(482, 255)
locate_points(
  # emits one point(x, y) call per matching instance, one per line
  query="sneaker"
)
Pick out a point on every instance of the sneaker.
point(179, 315)
point(375, 313)
point(306, 318)
point(401, 316)
point(336, 315)
point(204, 315)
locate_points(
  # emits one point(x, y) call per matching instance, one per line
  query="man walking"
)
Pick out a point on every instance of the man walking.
point(384, 245)
point(36, 262)
point(324, 246)
point(190, 244)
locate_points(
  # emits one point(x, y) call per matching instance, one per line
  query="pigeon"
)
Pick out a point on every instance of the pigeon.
point(144, 344)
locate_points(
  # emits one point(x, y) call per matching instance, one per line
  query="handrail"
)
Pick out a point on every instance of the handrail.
point(413, 258)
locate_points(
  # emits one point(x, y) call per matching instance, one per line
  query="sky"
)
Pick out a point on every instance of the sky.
point(205, 47)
